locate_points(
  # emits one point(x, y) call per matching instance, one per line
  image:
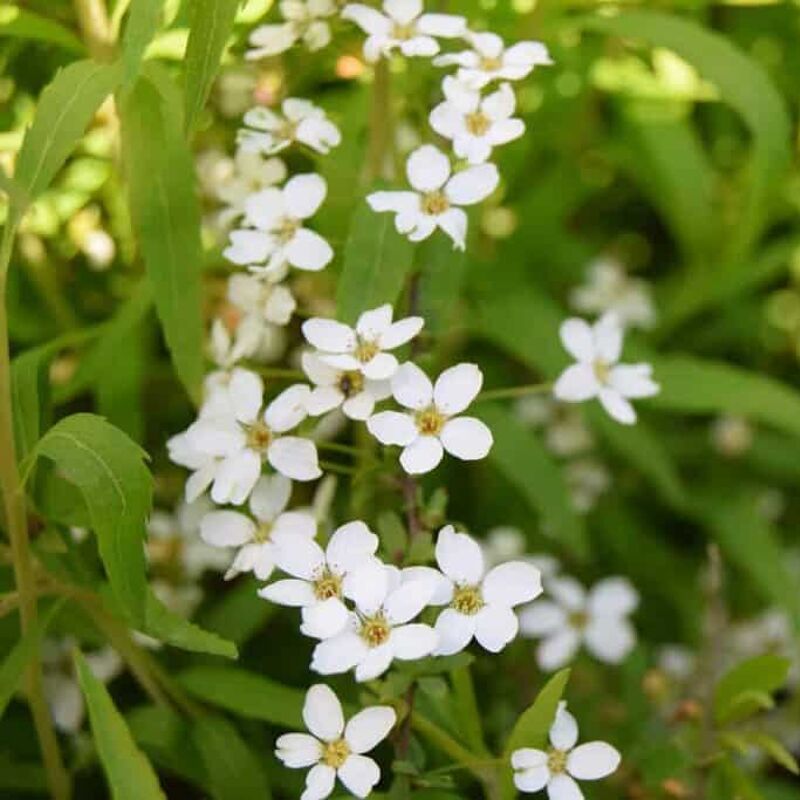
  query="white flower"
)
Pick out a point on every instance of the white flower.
point(348, 389)
point(318, 582)
point(302, 122)
point(279, 239)
point(480, 603)
point(490, 60)
point(437, 197)
point(252, 295)
point(566, 432)
point(434, 425)
point(227, 347)
point(335, 749)
point(597, 349)
point(599, 620)
point(362, 349)
point(247, 174)
point(402, 27)
point(379, 631)
point(235, 437)
point(609, 288)
point(476, 124)
point(587, 480)
point(305, 21)
point(558, 768)
point(257, 538)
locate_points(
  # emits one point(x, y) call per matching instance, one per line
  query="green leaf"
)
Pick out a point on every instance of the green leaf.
point(525, 462)
point(65, 108)
point(376, 261)
point(234, 771)
point(246, 694)
point(764, 674)
point(442, 270)
point(774, 749)
point(110, 472)
point(29, 387)
point(210, 26)
point(130, 775)
point(239, 613)
point(21, 24)
point(745, 704)
point(165, 210)
point(144, 19)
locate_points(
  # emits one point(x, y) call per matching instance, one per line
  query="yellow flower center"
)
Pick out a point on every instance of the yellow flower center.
point(258, 436)
point(478, 123)
point(491, 63)
point(165, 551)
point(435, 203)
point(263, 532)
point(467, 600)
point(556, 761)
point(430, 422)
point(366, 350)
point(375, 630)
point(327, 585)
point(287, 130)
point(403, 32)
point(286, 228)
point(351, 383)
point(578, 620)
point(334, 754)
point(602, 370)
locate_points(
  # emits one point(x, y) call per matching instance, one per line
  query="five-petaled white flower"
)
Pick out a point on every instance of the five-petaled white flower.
point(434, 425)
point(301, 121)
point(257, 537)
point(277, 238)
point(490, 60)
point(320, 577)
point(558, 768)
point(334, 749)
point(362, 349)
point(437, 196)
point(253, 295)
point(599, 620)
point(597, 349)
point(402, 26)
point(380, 630)
point(305, 20)
point(480, 603)
point(476, 124)
point(235, 437)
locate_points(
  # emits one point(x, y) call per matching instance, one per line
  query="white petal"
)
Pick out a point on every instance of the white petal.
point(380, 367)
point(512, 583)
point(368, 19)
point(359, 774)
point(403, 11)
point(562, 787)
point(411, 642)
point(607, 334)
point(459, 556)
point(578, 340)
point(294, 457)
point(528, 758)
point(495, 627)
point(576, 384)
point(319, 782)
point(528, 53)
point(322, 713)
point(318, 371)
point(324, 620)
point(338, 654)
point(269, 40)
point(422, 455)
point(303, 195)
point(541, 618)
point(407, 601)
point(428, 168)
point(411, 387)
point(506, 131)
point(617, 406)
point(374, 663)
point(359, 407)
point(288, 409)
point(457, 387)
point(455, 631)
point(367, 586)
point(532, 780)
point(447, 26)
point(291, 592)
point(399, 202)
point(392, 427)
point(564, 730)
point(329, 336)
point(303, 559)
point(246, 391)
point(270, 496)
point(612, 596)
point(592, 761)
point(500, 105)
point(66, 703)
point(308, 250)
point(323, 399)
point(609, 639)
point(199, 482)
point(446, 119)
point(374, 323)
point(467, 438)
point(438, 585)
point(298, 750)
point(473, 184)
point(425, 46)
point(558, 649)
point(249, 247)
point(454, 223)
point(350, 547)
point(568, 593)
point(236, 477)
point(633, 380)
point(226, 529)
point(369, 727)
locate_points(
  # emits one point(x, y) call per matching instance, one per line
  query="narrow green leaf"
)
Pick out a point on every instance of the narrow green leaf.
point(110, 472)
point(765, 674)
point(775, 750)
point(130, 775)
point(246, 694)
point(465, 704)
point(144, 18)
point(210, 27)
point(65, 108)
point(21, 24)
point(165, 210)
point(442, 270)
point(234, 771)
point(29, 388)
point(744, 705)
point(376, 261)
point(525, 462)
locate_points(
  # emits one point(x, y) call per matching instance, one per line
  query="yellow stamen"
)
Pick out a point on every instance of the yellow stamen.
point(467, 600)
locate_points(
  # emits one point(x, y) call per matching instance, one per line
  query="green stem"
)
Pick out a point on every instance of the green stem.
point(17, 527)
point(339, 469)
point(380, 125)
point(515, 391)
point(335, 447)
point(95, 28)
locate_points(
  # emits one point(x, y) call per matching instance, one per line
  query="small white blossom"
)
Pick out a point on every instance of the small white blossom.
point(277, 238)
point(565, 431)
point(334, 749)
point(480, 603)
point(256, 536)
point(609, 288)
point(598, 620)
point(305, 20)
point(597, 349)
point(434, 424)
point(558, 768)
point(252, 295)
point(250, 338)
point(320, 577)
point(437, 197)
point(363, 348)
point(380, 630)
point(490, 60)
point(402, 26)
point(476, 124)
point(301, 121)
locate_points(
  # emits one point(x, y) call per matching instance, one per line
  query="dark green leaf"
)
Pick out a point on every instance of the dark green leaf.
point(441, 276)
point(239, 613)
point(764, 674)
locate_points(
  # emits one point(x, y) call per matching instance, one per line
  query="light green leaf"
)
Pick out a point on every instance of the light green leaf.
point(234, 772)
point(144, 18)
point(744, 705)
point(110, 472)
point(165, 210)
point(210, 28)
point(774, 749)
point(763, 674)
point(442, 270)
point(29, 388)
point(130, 775)
point(376, 261)
point(239, 613)
point(21, 24)
point(245, 694)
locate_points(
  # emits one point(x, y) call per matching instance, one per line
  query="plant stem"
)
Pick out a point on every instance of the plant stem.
point(515, 391)
point(17, 527)
point(95, 27)
point(380, 125)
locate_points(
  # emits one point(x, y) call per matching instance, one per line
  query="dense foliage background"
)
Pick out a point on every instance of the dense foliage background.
point(664, 138)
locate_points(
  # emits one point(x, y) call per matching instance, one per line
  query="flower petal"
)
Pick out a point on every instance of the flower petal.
point(236, 477)
point(457, 387)
point(617, 406)
point(633, 380)
point(578, 340)
point(528, 758)
point(350, 546)
point(360, 775)
point(322, 713)
point(495, 627)
point(610, 639)
point(541, 618)
point(329, 336)
point(411, 387)
point(319, 782)
point(376, 661)
point(308, 250)
point(380, 367)
point(454, 223)
point(428, 168)
point(557, 649)
point(407, 601)
point(533, 779)
point(564, 730)
point(512, 583)
point(303, 195)
point(324, 620)
point(270, 496)
point(369, 727)
point(593, 761)
point(338, 654)
point(226, 529)
point(562, 787)
point(446, 26)
point(303, 558)
point(288, 409)
point(607, 333)
point(373, 323)
point(467, 438)
point(294, 457)
point(403, 11)
point(392, 427)
point(298, 750)
point(613, 597)
point(455, 631)
point(459, 556)
point(249, 247)
point(290, 592)
point(368, 19)
point(576, 384)
point(422, 455)
point(473, 184)
point(411, 642)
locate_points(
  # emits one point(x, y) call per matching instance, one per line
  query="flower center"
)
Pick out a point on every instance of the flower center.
point(287, 130)
point(556, 762)
point(285, 230)
point(366, 350)
point(375, 630)
point(334, 754)
point(262, 532)
point(351, 383)
point(491, 63)
point(327, 585)
point(578, 620)
point(435, 203)
point(602, 370)
point(430, 422)
point(403, 32)
point(165, 551)
point(478, 123)
point(258, 436)
point(467, 600)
